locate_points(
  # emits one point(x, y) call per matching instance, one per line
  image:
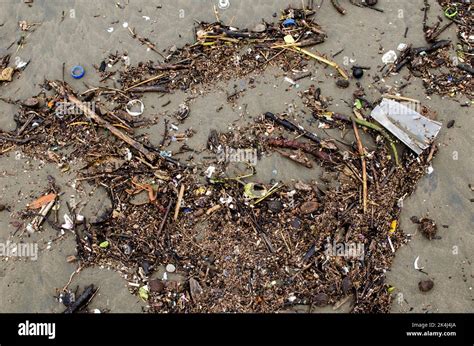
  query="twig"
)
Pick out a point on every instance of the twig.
point(383, 133)
point(364, 168)
point(163, 222)
point(145, 81)
point(178, 203)
point(338, 7)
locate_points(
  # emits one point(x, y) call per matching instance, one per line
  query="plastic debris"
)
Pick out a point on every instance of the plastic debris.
point(390, 57)
point(413, 129)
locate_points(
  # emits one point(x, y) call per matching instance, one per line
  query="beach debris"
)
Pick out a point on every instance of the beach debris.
point(170, 268)
point(132, 109)
point(195, 288)
point(425, 285)
point(415, 264)
point(143, 292)
point(82, 300)
point(401, 47)
point(220, 231)
point(292, 127)
point(104, 245)
point(7, 74)
point(413, 129)
point(450, 124)
point(389, 57)
point(42, 201)
point(99, 120)
point(291, 44)
point(309, 207)
point(68, 223)
point(338, 7)
point(342, 83)
point(428, 228)
point(77, 72)
point(156, 286)
point(321, 299)
point(357, 72)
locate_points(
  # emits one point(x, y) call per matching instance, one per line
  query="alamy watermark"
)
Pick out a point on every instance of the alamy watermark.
point(347, 250)
point(65, 108)
point(11, 249)
point(228, 154)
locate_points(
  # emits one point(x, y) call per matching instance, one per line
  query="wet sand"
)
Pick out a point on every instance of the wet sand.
point(82, 38)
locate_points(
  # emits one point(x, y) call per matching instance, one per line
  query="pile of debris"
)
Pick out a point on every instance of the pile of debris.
point(236, 244)
point(442, 72)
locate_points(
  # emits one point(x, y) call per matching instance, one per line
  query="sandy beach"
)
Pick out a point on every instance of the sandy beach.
point(86, 32)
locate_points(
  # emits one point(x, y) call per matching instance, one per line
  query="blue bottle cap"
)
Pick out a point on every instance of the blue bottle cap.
point(77, 72)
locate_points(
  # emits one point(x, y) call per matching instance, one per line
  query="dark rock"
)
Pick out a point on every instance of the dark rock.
point(296, 223)
point(321, 299)
point(425, 285)
point(346, 284)
point(102, 67)
point(357, 72)
point(260, 28)
point(31, 102)
point(309, 207)
point(371, 2)
point(156, 285)
point(275, 206)
point(2, 207)
point(194, 288)
point(146, 267)
point(450, 124)
point(342, 83)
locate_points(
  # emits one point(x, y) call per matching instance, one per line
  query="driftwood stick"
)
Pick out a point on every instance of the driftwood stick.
point(361, 150)
point(178, 202)
point(82, 300)
point(292, 127)
point(338, 7)
point(292, 144)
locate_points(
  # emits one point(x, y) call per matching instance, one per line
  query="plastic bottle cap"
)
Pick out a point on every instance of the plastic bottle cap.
point(77, 72)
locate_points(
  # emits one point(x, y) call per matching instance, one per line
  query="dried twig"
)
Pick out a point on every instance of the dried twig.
point(361, 150)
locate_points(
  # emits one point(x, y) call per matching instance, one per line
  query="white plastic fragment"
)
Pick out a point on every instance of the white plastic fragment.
point(390, 57)
point(170, 268)
point(415, 264)
point(402, 46)
point(68, 224)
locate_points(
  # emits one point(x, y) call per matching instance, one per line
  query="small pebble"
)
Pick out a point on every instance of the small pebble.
point(275, 206)
point(309, 207)
point(450, 124)
point(170, 268)
point(425, 285)
point(156, 285)
point(2, 207)
point(357, 72)
point(342, 83)
point(321, 299)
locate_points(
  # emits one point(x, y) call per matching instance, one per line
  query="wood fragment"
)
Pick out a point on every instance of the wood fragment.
point(178, 202)
point(364, 168)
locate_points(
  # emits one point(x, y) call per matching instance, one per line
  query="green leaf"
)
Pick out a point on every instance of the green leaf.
point(104, 244)
point(143, 292)
point(358, 104)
